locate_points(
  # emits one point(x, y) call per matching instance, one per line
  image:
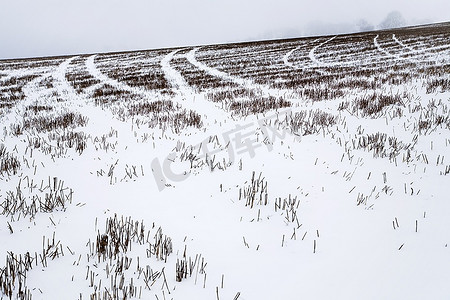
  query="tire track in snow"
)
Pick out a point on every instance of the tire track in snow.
point(185, 96)
point(215, 72)
point(247, 83)
point(351, 63)
point(100, 121)
point(402, 44)
point(313, 57)
point(442, 47)
point(427, 53)
point(92, 69)
point(179, 84)
point(328, 64)
point(62, 84)
point(411, 51)
point(286, 58)
point(287, 55)
point(241, 81)
point(387, 53)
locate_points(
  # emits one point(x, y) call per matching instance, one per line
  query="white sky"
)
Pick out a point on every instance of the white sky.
point(31, 28)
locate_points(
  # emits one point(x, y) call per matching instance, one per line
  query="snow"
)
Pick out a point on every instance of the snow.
point(335, 249)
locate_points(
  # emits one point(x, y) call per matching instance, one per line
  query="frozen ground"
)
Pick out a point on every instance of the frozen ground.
point(309, 168)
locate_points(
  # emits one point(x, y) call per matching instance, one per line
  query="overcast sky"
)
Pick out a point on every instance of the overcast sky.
point(30, 28)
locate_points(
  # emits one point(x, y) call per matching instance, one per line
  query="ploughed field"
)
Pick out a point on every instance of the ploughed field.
point(306, 168)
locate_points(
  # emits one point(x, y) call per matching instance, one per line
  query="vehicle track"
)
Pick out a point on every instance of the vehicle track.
point(389, 54)
point(100, 120)
point(288, 54)
point(313, 58)
point(246, 83)
point(286, 61)
point(176, 80)
point(425, 54)
point(402, 44)
point(185, 96)
point(312, 54)
point(215, 72)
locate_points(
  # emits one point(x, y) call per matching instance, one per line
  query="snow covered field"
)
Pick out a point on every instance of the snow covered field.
point(313, 168)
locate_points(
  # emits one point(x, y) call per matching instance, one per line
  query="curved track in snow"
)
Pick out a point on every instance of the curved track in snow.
point(312, 54)
point(402, 44)
point(287, 55)
point(417, 55)
point(215, 72)
point(382, 50)
point(266, 90)
point(425, 54)
point(184, 98)
point(174, 77)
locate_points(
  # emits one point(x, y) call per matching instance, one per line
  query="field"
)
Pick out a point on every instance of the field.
point(312, 168)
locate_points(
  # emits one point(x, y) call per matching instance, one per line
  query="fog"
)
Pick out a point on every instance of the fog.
point(30, 28)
